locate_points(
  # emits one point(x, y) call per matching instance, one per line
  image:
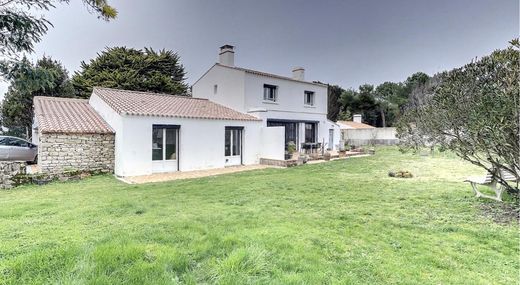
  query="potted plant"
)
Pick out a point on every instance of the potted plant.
point(291, 149)
point(326, 156)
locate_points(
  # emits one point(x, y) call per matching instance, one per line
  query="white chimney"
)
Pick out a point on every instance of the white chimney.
point(227, 55)
point(298, 73)
point(357, 118)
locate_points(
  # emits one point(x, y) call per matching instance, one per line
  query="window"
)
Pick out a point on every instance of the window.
point(308, 98)
point(215, 89)
point(291, 131)
point(310, 132)
point(17, 142)
point(164, 142)
point(270, 93)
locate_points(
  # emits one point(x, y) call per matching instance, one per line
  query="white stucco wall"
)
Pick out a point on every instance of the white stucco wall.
point(290, 96)
point(383, 136)
point(201, 143)
point(115, 121)
point(273, 143)
point(230, 87)
point(243, 91)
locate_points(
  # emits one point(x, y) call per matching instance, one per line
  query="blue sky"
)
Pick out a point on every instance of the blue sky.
point(339, 42)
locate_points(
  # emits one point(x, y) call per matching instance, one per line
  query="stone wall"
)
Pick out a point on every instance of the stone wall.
point(9, 170)
point(78, 152)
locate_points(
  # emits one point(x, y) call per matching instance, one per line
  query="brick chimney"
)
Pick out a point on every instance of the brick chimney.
point(226, 55)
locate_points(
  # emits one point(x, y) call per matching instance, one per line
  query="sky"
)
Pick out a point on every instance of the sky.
point(348, 43)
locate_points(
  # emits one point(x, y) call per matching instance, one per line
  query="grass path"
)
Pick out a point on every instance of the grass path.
point(343, 222)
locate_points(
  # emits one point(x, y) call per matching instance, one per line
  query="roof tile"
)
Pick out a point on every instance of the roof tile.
point(67, 115)
point(165, 105)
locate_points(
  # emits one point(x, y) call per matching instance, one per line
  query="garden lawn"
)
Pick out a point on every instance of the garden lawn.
point(342, 222)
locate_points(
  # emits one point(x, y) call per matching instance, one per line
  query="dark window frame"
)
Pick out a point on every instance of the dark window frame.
point(311, 95)
point(272, 91)
point(163, 148)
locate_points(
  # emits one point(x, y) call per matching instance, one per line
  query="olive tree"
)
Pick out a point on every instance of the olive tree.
point(473, 111)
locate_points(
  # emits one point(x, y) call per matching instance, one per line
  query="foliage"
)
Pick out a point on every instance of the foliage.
point(47, 77)
point(473, 111)
point(344, 221)
point(334, 94)
point(380, 106)
point(20, 29)
point(291, 147)
point(132, 69)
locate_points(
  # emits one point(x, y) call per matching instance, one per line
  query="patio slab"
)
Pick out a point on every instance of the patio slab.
point(161, 177)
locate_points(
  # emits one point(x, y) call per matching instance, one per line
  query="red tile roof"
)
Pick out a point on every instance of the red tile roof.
point(164, 105)
point(353, 125)
point(67, 115)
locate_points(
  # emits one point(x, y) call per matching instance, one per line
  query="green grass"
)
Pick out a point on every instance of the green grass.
point(343, 222)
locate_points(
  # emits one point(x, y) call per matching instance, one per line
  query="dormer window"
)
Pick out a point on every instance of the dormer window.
point(270, 93)
point(308, 98)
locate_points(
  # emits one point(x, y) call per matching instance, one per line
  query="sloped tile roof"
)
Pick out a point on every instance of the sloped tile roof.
point(67, 115)
point(137, 103)
point(353, 125)
point(261, 73)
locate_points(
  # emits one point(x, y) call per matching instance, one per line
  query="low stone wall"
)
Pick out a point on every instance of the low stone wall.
point(9, 170)
point(277, 162)
point(76, 152)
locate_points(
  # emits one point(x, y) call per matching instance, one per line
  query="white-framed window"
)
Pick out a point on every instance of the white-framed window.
point(270, 93)
point(308, 98)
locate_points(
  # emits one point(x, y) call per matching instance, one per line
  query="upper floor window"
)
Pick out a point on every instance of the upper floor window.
point(309, 98)
point(215, 89)
point(270, 93)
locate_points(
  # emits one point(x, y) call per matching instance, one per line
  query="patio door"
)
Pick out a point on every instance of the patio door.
point(233, 146)
point(165, 148)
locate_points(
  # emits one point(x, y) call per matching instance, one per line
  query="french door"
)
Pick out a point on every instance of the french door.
point(233, 146)
point(165, 148)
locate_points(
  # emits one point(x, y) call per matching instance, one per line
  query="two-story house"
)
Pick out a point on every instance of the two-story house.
point(236, 116)
point(292, 102)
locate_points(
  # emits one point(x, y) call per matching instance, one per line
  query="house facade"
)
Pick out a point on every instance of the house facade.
point(299, 106)
point(235, 117)
point(166, 133)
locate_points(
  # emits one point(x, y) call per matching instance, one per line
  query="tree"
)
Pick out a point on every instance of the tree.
point(47, 77)
point(20, 29)
point(334, 104)
point(388, 95)
point(132, 69)
point(473, 111)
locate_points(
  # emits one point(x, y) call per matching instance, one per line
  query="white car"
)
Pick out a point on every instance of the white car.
point(17, 149)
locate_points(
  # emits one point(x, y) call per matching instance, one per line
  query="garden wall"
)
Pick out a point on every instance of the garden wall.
point(377, 136)
point(79, 152)
point(8, 172)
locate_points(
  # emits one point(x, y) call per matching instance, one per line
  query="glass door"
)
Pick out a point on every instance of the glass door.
point(165, 148)
point(233, 146)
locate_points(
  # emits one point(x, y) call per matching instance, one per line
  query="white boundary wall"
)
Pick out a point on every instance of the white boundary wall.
point(378, 136)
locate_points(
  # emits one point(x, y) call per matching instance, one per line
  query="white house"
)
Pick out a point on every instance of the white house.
point(236, 117)
point(291, 102)
point(166, 133)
